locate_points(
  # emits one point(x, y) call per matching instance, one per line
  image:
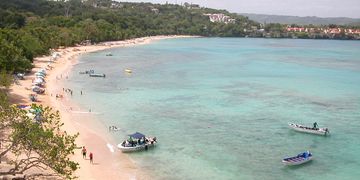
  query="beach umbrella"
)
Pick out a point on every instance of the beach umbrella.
point(38, 111)
point(40, 76)
point(38, 79)
point(37, 84)
point(35, 87)
point(42, 70)
point(40, 73)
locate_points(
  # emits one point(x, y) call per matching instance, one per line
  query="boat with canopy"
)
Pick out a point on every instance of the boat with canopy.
point(137, 142)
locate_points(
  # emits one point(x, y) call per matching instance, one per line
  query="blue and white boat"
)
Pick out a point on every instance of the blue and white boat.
point(311, 130)
point(299, 159)
point(137, 142)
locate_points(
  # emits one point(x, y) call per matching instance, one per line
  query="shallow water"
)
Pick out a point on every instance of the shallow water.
point(220, 106)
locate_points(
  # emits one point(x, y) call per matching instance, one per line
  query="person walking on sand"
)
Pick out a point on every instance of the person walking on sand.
point(83, 152)
point(91, 157)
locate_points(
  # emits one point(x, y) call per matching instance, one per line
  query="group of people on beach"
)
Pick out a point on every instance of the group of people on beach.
point(113, 128)
point(58, 96)
point(91, 156)
point(68, 91)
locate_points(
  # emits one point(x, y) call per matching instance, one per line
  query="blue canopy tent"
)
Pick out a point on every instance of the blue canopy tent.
point(137, 135)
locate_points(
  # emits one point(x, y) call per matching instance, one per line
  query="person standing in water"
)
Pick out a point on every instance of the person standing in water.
point(91, 157)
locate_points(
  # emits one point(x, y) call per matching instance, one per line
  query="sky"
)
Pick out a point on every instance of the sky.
point(320, 8)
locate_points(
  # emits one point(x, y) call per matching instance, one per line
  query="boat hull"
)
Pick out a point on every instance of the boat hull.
point(135, 148)
point(289, 163)
point(299, 159)
point(304, 129)
point(97, 75)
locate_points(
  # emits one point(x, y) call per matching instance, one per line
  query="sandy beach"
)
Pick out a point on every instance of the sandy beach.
point(109, 163)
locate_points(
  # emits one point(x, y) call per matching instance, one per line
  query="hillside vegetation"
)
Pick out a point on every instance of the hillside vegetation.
point(31, 27)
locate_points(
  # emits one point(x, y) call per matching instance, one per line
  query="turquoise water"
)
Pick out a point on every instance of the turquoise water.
point(220, 107)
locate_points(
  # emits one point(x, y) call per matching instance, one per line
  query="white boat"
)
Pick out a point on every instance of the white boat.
point(137, 142)
point(305, 129)
point(97, 75)
point(299, 159)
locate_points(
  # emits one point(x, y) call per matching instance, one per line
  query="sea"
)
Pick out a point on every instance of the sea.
point(220, 107)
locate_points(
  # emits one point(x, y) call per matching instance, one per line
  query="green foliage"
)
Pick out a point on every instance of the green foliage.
point(11, 19)
point(5, 81)
point(302, 35)
point(11, 56)
point(275, 27)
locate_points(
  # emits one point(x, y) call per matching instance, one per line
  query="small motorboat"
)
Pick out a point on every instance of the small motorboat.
point(305, 129)
point(137, 142)
point(97, 75)
point(299, 159)
point(87, 72)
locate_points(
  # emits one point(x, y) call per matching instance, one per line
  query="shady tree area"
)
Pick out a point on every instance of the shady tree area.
point(33, 145)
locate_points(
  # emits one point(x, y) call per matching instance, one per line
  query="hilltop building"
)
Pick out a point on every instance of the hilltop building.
point(191, 6)
point(155, 10)
point(220, 18)
point(115, 5)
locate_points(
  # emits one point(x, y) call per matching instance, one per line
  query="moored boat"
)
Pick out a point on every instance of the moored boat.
point(137, 142)
point(97, 75)
point(305, 129)
point(299, 159)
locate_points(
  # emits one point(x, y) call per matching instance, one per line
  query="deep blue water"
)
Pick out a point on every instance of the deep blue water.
point(220, 106)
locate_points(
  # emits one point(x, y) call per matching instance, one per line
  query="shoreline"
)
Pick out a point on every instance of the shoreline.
point(108, 161)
